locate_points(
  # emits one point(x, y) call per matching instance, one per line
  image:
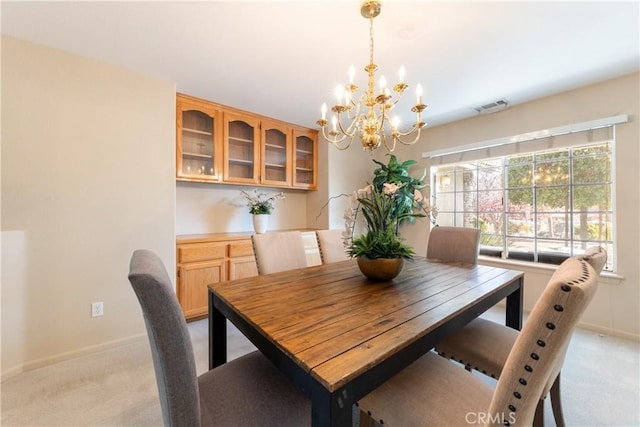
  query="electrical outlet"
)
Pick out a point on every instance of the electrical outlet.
point(97, 309)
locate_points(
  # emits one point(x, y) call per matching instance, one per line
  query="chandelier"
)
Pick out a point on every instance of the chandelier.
point(369, 115)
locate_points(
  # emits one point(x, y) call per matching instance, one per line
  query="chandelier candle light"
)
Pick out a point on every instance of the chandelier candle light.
point(369, 116)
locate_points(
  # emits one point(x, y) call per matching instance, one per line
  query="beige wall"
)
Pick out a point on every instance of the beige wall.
point(616, 307)
point(87, 177)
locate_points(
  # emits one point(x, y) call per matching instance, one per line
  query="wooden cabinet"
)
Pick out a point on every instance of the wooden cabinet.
point(198, 140)
point(241, 148)
point(305, 152)
point(205, 259)
point(276, 154)
point(211, 258)
point(221, 144)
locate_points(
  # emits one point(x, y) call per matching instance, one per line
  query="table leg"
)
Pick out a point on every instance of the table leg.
point(514, 307)
point(217, 335)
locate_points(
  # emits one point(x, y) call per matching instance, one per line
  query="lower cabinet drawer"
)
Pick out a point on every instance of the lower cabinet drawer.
point(240, 249)
point(201, 252)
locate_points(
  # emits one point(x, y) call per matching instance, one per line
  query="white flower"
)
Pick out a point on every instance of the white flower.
point(391, 188)
point(364, 192)
point(417, 196)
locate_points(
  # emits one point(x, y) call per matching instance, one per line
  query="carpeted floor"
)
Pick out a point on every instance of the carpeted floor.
point(600, 384)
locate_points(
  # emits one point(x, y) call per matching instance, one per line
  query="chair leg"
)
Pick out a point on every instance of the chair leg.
point(538, 418)
point(556, 403)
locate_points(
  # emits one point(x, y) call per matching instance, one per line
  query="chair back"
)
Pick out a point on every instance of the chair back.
point(542, 343)
point(279, 251)
point(169, 338)
point(596, 256)
point(331, 246)
point(454, 244)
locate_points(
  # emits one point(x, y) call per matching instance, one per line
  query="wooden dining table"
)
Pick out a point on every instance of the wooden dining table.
point(338, 335)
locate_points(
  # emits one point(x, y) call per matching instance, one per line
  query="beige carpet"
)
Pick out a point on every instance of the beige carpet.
point(600, 380)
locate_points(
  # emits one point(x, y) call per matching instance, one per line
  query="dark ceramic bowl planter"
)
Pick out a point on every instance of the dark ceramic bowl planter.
point(380, 269)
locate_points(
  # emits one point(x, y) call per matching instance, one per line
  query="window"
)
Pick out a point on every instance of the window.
point(541, 206)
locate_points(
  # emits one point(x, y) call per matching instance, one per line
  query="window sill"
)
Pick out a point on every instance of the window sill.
point(607, 277)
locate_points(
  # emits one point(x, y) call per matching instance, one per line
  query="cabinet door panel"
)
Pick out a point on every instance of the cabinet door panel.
point(305, 152)
point(242, 150)
point(193, 281)
point(242, 267)
point(276, 154)
point(198, 141)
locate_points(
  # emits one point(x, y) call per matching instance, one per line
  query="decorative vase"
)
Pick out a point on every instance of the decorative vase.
point(260, 223)
point(380, 269)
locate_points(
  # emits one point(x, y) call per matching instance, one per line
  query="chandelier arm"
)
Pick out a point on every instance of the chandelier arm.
point(413, 129)
point(336, 142)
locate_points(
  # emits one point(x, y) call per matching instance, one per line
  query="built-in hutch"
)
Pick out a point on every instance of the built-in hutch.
point(220, 144)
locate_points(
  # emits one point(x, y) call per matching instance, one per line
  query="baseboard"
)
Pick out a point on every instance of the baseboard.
point(609, 331)
point(46, 361)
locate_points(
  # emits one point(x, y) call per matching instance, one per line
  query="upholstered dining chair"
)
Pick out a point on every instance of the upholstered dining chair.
point(484, 345)
point(279, 251)
point(436, 391)
point(245, 391)
point(454, 244)
point(331, 246)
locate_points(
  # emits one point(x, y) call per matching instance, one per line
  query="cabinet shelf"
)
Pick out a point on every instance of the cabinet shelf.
point(275, 165)
point(197, 155)
point(275, 147)
point(199, 132)
point(304, 169)
point(240, 140)
point(304, 151)
point(241, 161)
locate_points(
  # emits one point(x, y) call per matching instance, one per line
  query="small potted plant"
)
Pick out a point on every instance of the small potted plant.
point(260, 205)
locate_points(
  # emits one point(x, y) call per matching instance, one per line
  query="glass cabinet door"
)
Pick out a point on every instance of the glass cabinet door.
point(276, 154)
point(305, 173)
point(198, 155)
point(241, 154)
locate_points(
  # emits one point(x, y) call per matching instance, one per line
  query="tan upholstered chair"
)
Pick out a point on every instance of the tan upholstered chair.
point(454, 244)
point(435, 391)
point(484, 345)
point(331, 246)
point(279, 251)
point(243, 392)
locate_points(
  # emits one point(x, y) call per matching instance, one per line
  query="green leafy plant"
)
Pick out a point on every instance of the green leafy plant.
point(380, 240)
point(260, 203)
point(408, 187)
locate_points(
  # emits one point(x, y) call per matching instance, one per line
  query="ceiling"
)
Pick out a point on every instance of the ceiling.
point(284, 58)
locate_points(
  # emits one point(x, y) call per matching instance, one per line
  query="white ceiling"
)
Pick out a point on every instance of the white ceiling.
point(284, 58)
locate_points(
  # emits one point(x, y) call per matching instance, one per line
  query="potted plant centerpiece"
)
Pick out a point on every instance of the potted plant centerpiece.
point(260, 206)
point(393, 198)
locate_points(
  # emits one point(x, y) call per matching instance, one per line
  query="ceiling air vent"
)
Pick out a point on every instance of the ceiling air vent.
point(493, 107)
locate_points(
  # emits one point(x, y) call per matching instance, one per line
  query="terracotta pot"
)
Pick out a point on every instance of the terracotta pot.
point(260, 223)
point(380, 269)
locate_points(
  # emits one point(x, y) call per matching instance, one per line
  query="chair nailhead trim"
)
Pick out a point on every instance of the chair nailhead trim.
point(512, 408)
point(565, 288)
point(551, 326)
point(541, 343)
point(517, 395)
point(522, 381)
point(558, 307)
point(534, 356)
point(528, 368)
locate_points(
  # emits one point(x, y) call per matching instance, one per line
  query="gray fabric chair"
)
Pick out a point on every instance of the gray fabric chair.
point(247, 391)
point(279, 251)
point(435, 391)
point(331, 246)
point(484, 345)
point(454, 244)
